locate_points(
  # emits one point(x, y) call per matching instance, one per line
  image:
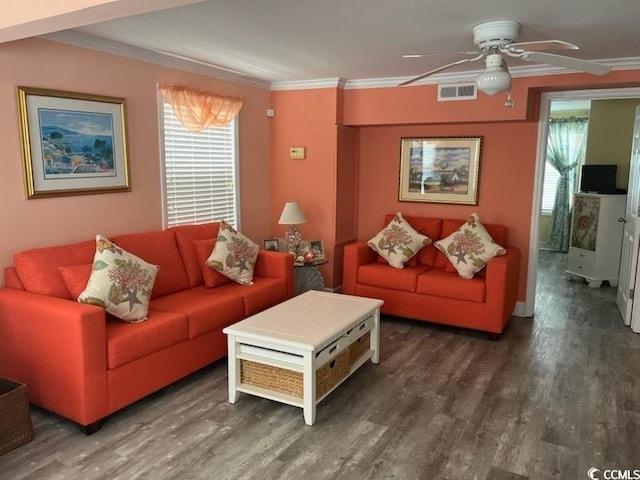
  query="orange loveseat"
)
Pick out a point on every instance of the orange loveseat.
point(428, 288)
point(83, 364)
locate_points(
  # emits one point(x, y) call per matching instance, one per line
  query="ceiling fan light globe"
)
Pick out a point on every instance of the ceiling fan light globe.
point(493, 81)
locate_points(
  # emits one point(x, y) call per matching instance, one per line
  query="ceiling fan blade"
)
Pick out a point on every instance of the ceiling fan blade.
point(431, 54)
point(542, 45)
point(566, 62)
point(439, 69)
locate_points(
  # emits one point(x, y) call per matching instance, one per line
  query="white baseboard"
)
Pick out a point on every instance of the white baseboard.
point(520, 310)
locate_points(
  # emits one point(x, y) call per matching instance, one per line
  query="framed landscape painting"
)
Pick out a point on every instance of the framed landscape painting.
point(440, 169)
point(72, 143)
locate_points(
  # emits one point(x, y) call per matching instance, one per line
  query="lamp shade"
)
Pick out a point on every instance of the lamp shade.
point(291, 214)
point(495, 78)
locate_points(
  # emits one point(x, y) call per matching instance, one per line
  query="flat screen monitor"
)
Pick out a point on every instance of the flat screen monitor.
point(598, 178)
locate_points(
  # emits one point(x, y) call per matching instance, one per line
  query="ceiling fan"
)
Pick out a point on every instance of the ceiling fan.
point(496, 39)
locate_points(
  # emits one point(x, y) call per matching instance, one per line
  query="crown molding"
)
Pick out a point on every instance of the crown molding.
point(309, 84)
point(165, 59)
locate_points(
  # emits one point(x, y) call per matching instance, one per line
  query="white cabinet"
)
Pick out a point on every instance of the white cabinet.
point(596, 238)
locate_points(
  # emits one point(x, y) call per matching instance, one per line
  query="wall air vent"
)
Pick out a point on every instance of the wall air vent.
point(457, 91)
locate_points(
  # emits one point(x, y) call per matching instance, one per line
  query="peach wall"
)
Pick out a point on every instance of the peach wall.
point(418, 104)
point(346, 194)
point(51, 221)
point(306, 118)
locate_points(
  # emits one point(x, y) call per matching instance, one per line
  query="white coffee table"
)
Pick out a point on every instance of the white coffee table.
point(305, 340)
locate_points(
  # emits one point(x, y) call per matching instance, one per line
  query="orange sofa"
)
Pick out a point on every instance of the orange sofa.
point(84, 365)
point(428, 288)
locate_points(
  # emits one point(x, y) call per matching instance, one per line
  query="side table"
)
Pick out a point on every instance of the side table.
point(307, 276)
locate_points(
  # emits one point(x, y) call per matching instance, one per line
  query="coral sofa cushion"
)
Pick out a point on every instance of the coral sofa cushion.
point(439, 283)
point(38, 268)
point(12, 279)
point(398, 241)
point(380, 275)
point(262, 293)
point(76, 278)
point(158, 248)
point(127, 342)
point(120, 282)
point(205, 310)
point(185, 237)
point(470, 247)
point(234, 255)
point(212, 278)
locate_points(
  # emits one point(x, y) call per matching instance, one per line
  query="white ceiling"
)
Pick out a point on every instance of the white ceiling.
point(303, 40)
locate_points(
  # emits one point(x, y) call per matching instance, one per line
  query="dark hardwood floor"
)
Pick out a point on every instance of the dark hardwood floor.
point(556, 395)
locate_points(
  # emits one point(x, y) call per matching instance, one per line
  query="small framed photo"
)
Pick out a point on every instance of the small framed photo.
point(304, 247)
point(317, 248)
point(271, 245)
point(282, 245)
point(275, 245)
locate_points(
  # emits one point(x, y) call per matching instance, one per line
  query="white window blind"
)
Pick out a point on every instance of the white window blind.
point(549, 188)
point(200, 182)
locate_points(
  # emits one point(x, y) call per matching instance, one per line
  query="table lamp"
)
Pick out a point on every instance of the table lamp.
point(292, 215)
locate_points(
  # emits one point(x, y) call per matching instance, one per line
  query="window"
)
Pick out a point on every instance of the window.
point(549, 188)
point(200, 183)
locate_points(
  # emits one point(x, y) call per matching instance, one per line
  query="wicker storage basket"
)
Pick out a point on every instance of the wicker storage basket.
point(291, 383)
point(272, 378)
point(359, 348)
point(332, 373)
point(15, 418)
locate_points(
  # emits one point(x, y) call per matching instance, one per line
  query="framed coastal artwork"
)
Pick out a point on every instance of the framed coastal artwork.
point(72, 143)
point(440, 169)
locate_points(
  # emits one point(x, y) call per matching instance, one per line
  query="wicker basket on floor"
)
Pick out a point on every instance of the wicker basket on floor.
point(15, 418)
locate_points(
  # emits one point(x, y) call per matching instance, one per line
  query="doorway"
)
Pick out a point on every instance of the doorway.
point(568, 130)
point(545, 103)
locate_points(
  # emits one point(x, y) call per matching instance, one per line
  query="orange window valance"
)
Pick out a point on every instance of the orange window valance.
point(197, 109)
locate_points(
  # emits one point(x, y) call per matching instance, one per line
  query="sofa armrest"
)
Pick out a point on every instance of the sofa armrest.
point(57, 347)
point(355, 255)
point(502, 285)
point(275, 265)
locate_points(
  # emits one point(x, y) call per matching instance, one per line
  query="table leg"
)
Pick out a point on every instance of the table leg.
point(233, 367)
point(375, 337)
point(309, 389)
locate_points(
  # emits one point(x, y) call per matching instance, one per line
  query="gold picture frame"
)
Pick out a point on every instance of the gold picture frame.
point(440, 169)
point(72, 143)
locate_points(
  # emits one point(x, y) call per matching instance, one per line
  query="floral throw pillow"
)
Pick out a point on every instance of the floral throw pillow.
point(120, 282)
point(398, 241)
point(470, 247)
point(234, 255)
